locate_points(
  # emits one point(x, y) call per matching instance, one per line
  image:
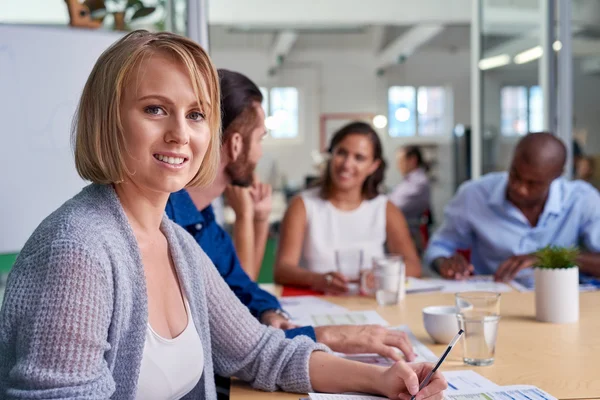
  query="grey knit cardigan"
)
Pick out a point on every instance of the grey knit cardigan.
point(74, 316)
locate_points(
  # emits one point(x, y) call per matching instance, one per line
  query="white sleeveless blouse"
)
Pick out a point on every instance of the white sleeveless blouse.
point(343, 241)
point(171, 368)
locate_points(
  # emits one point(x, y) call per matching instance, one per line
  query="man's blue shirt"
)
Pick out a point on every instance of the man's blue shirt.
point(217, 244)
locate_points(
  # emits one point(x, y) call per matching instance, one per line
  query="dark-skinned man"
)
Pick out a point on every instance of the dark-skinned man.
point(504, 218)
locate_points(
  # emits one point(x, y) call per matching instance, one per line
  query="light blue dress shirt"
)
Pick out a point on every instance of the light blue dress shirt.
point(481, 219)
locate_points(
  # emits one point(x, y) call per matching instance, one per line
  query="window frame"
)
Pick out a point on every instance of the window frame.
point(447, 116)
point(269, 138)
point(528, 112)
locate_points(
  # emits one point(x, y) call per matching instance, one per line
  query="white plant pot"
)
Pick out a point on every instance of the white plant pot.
point(557, 295)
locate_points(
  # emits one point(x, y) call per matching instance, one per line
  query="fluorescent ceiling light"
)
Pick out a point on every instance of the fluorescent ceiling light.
point(529, 55)
point(494, 62)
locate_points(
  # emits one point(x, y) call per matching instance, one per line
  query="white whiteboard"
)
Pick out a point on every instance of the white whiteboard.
point(42, 73)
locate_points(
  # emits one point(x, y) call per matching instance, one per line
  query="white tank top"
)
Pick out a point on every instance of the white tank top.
point(337, 240)
point(171, 368)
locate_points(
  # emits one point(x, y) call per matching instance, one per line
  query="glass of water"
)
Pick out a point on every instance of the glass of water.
point(349, 262)
point(478, 315)
point(386, 280)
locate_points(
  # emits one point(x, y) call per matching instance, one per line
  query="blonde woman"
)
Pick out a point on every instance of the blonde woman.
point(110, 299)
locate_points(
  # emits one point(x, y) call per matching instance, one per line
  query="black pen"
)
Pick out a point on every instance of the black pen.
point(440, 361)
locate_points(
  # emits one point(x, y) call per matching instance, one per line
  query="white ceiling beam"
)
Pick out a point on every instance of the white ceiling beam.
point(335, 13)
point(378, 36)
point(282, 46)
point(406, 44)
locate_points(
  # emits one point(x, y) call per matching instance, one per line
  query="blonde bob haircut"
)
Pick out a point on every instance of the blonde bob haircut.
point(97, 135)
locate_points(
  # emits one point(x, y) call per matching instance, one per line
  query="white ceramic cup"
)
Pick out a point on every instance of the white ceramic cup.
point(441, 323)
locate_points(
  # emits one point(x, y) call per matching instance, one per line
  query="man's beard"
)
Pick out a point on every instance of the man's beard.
point(241, 171)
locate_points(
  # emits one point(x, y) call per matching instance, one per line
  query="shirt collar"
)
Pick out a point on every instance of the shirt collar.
point(183, 210)
point(498, 193)
point(553, 203)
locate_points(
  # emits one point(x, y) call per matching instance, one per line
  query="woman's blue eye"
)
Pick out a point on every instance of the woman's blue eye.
point(196, 116)
point(154, 110)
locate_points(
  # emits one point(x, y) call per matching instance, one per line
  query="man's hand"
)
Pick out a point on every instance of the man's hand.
point(456, 267)
point(262, 199)
point(276, 320)
point(355, 339)
point(509, 268)
point(240, 200)
point(331, 283)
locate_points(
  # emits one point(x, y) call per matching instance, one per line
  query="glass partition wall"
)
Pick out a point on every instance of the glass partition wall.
point(522, 76)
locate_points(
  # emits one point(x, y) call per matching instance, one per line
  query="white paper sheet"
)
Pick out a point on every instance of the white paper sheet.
point(485, 283)
point(341, 318)
point(520, 392)
point(416, 285)
point(467, 380)
point(303, 307)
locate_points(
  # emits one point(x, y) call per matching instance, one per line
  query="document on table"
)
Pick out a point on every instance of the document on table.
point(303, 307)
point(416, 285)
point(485, 283)
point(459, 381)
point(318, 317)
point(520, 392)
point(501, 393)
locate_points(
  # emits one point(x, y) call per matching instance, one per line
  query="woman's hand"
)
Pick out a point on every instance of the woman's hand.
point(401, 381)
point(331, 283)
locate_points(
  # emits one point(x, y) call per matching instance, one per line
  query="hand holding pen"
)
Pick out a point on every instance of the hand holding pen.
point(431, 374)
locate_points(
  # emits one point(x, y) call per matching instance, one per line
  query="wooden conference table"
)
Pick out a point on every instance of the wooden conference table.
point(563, 360)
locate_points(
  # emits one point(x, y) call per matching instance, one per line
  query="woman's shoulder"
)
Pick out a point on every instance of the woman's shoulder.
point(381, 200)
point(311, 195)
point(85, 219)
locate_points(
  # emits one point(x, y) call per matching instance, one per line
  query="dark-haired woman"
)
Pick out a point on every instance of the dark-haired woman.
point(344, 221)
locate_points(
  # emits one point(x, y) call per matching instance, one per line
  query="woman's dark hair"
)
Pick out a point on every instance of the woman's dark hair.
point(371, 185)
point(411, 151)
point(238, 94)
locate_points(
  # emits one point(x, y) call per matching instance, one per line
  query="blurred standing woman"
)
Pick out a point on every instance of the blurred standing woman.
point(412, 195)
point(331, 232)
point(111, 299)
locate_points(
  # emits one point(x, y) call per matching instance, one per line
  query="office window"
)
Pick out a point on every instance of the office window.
point(536, 109)
point(419, 111)
point(431, 108)
point(280, 105)
point(522, 110)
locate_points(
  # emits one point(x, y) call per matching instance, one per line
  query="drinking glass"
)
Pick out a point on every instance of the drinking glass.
point(478, 315)
point(386, 280)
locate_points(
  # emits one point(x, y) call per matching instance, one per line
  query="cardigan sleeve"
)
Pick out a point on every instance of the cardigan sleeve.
point(244, 348)
point(54, 326)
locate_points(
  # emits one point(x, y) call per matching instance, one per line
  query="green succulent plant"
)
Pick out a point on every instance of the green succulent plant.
point(553, 257)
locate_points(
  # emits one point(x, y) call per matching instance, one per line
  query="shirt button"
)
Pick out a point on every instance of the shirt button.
point(198, 227)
